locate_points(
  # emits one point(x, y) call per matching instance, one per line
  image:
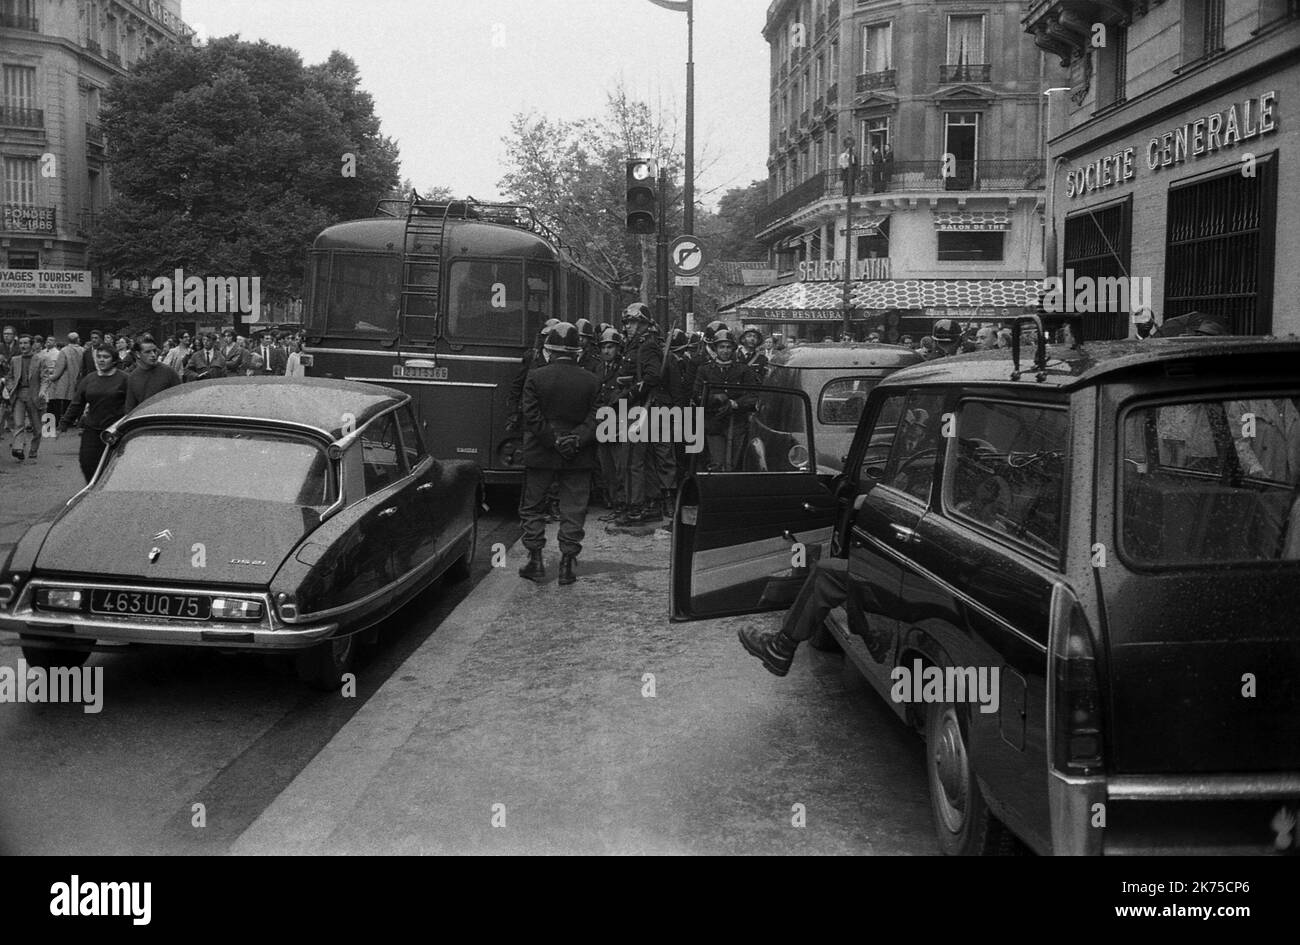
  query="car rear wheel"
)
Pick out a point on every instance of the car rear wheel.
point(460, 570)
point(962, 819)
point(51, 659)
point(322, 667)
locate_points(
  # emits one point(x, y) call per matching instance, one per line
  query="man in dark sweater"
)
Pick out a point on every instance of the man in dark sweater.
point(149, 377)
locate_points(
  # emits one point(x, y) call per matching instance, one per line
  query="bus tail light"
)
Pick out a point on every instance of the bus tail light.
point(1074, 693)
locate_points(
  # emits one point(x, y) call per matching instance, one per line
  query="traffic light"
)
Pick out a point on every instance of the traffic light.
point(642, 196)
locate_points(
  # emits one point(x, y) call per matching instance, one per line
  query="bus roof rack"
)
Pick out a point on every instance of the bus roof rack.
point(504, 213)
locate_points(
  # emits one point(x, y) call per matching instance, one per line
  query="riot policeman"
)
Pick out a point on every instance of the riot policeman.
point(648, 463)
point(612, 456)
point(590, 357)
point(751, 352)
point(725, 410)
point(947, 338)
point(559, 415)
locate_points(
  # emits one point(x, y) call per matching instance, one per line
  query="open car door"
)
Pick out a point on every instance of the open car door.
point(752, 515)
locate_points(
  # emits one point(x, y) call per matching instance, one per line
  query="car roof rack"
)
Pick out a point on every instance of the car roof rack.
point(503, 213)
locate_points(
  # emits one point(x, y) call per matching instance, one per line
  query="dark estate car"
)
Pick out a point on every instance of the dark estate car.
point(245, 514)
point(1108, 541)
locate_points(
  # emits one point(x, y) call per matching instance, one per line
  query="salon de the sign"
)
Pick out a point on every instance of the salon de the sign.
point(1227, 128)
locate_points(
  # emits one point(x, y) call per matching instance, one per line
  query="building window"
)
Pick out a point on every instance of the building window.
point(819, 76)
point(970, 246)
point(803, 93)
point(24, 259)
point(1202, 29)
point(877, 48)
point(19, 102)
point(1220, 246)
point(19, 14)
point(960, 148)
point(1112, 71)
point(1097, 242)
point(835, 62)
point(20, 181)
point(966, 40)
point(1274, 11)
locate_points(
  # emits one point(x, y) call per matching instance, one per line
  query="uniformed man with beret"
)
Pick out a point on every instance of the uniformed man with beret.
point(558, 407)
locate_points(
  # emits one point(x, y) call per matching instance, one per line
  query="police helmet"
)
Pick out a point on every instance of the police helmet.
point(611, 336)
point(586, 331)
point(638, 312)
point(563, 338)
point(756, 332)
point(712, 329)
point(723, 336)
point(946, 329)
point(550, 323)
point(677, 340)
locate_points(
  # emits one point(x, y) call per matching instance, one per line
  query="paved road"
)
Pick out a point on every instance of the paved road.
point(524, 697)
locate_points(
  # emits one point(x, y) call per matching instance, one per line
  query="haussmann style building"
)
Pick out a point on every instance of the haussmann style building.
point(57, 57)
point(943, 104)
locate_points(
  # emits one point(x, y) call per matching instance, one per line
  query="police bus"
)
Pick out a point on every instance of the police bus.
point(442, 299)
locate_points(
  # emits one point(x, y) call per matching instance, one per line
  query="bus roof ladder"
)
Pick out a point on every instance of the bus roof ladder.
point(422, 247)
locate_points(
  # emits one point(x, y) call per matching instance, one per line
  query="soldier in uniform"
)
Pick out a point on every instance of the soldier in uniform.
point(590, 357)
point(612, 456)
point(679, 382)
point(947, 339)
point(724, 410)
point(648, 463)
point(533, 358)
point(751, 352)
point(559, 416)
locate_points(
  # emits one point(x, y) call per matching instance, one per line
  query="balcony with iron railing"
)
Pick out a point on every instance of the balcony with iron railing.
point(86, 222)
point(11, 21)
point(876, 80)
point(832, 95)
point(95, 138)
point(965, 72)
point(1065, 27)
point(1015, 174)
point(11, 117)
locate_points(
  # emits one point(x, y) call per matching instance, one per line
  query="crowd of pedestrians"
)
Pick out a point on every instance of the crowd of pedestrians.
point(50, 386)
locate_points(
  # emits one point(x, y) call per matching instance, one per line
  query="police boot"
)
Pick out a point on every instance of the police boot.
point(669, 504)
point(535, 569)
point(773, 647)
point(566, 569)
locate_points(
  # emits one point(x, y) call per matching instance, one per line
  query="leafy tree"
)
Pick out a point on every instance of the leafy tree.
point(230, 158)
point(571, 173)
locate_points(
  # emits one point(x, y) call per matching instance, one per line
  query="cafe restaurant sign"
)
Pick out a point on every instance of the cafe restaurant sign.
point(60, 283)
point(832, 270)
point(1239, 122)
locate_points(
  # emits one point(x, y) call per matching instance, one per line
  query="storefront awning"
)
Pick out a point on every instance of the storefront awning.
point(823, 301)
point(972, 220)
point(869, 225)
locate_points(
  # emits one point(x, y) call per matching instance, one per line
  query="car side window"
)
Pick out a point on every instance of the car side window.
point(1006, 470)
point(381, 457)
point(915, 446)
point(412, 445)
point(872, 468)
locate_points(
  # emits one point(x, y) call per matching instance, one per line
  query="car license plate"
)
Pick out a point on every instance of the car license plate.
point(415, 372)
point(148, 604)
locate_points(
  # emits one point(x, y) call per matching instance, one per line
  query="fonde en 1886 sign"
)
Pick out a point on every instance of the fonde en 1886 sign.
point(1240, 121)
point(27, 219)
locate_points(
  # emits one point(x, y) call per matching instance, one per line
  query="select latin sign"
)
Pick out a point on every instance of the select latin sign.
point(832, 270)
point(1227, 128)
point(60, 283)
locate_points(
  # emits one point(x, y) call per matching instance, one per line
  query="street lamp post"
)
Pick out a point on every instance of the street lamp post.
point(848, 161)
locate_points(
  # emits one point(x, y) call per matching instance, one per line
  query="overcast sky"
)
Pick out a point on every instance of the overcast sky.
point(447, 93)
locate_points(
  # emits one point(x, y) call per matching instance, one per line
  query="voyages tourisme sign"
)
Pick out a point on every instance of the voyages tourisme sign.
point(61, 283)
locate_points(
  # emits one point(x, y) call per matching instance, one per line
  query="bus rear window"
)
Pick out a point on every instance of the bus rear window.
point(362, 296)
point(485, 302)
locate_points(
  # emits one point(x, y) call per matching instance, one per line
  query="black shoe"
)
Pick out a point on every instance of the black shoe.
point(566, 569)
point(535, 569)
point(17, 454)
point(773, 647)
point(617, 511)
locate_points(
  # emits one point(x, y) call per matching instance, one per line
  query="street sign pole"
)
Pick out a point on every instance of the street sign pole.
point(689, 209)
point(661, 257)
point(850, 174)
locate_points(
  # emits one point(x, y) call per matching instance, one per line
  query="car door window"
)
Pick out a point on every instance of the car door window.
point(914, 446)
point(381, 455)
point(412, 446)
point(1006, 471)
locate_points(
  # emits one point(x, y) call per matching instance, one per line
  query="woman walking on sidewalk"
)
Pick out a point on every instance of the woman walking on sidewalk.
point(104, 394)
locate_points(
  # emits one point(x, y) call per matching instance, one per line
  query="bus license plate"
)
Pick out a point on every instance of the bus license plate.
point(146, 604)
point(420, 373)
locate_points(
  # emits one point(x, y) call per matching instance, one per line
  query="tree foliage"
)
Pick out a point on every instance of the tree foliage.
point(230, 158)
